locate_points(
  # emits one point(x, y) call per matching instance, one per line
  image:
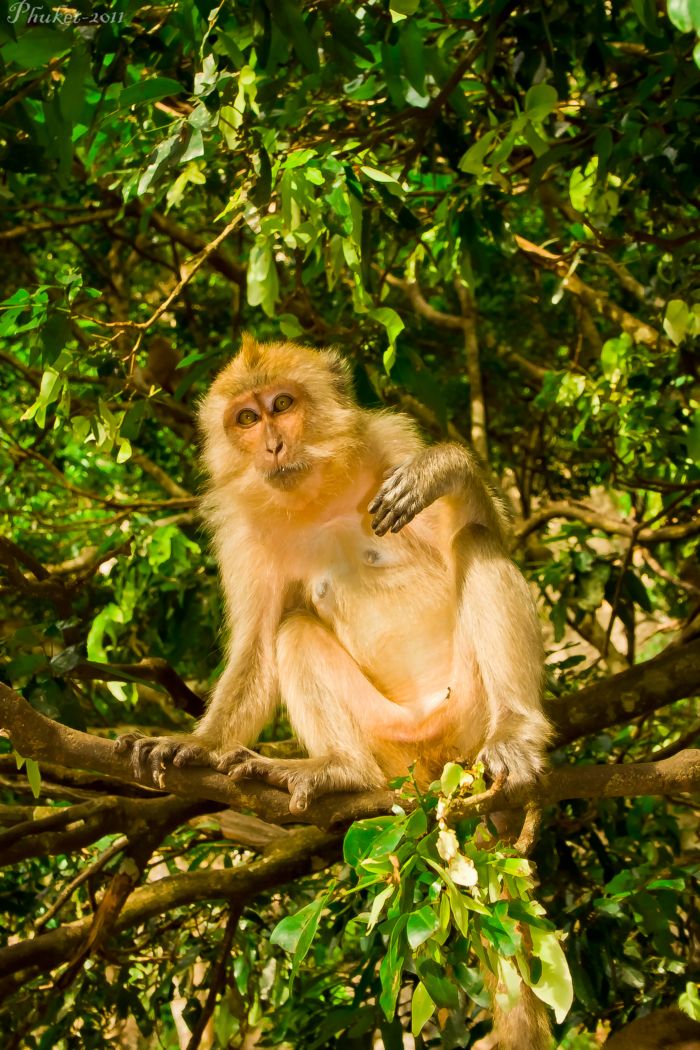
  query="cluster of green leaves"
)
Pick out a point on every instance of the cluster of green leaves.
point(451, 913)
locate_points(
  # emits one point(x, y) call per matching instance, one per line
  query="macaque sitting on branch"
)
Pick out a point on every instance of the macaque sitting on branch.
point(367, 588)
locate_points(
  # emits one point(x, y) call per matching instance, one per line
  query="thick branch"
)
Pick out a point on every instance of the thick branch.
point(35, 736)
point(70, 828)
point(672, 675)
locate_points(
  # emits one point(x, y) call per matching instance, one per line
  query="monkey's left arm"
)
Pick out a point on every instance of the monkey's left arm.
point(441, 470)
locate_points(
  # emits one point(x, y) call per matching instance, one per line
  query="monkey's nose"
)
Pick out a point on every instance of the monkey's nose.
point(274, 446)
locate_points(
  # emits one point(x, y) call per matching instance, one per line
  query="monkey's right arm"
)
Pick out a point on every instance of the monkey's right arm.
point(245, 696)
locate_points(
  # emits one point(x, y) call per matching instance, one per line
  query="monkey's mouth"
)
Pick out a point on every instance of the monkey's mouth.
point(287, 475)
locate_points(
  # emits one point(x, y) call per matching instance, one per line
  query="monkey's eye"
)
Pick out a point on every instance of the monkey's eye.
point(282, 402)
point(247, 417)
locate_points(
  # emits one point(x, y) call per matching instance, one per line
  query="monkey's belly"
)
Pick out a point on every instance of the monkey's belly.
point(404, 647)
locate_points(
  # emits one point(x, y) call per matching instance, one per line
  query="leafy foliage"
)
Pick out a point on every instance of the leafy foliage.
point(441, 904)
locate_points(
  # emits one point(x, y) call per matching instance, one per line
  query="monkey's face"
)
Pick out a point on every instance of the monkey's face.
point(267, 426)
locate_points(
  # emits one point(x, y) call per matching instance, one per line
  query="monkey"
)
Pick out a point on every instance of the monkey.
point(367, 587)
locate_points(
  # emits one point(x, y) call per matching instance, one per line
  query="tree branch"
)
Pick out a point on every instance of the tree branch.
point(597, 301)
point(572, 511)
point(150, 669)
point(678, 774)
point(307, 850)
point(35, 736)
point(672, 675)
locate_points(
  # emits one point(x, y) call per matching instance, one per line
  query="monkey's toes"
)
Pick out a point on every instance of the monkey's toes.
point(194, 755)
point(303, 795)
point(126, 741)
point(231, 762)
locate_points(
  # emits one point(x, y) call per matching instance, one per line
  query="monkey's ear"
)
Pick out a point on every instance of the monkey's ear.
point(340, 371)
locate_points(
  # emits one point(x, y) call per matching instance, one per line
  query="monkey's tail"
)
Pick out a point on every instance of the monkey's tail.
point(524, 1027)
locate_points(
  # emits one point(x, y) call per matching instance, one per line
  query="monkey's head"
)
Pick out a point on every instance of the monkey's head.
point(277, 413)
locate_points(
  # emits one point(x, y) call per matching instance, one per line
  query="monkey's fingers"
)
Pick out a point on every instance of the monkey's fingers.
point(401, 511)
point(194, 755)
point(395, 487)
point(391, 508)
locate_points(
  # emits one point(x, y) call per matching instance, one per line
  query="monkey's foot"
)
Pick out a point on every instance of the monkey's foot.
point(304, 778)
point(512, 761)
point(151, 754)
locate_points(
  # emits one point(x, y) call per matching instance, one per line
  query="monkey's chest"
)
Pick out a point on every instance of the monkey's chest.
point(391, 607)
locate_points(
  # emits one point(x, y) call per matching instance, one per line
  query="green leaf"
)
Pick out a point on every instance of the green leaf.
point(645, 11)
point(412, 58)
point(473, 159)
point(554, 986)
point(391, 321)
point(676, 320)
point(422, 1008)
point(291, 20)
point(361, 835)
point(421, 925)
point(149, 90)
point(400, 9)
point(34, 777)
point(378, 905)
point(379, 176)
point(417, 824)
point(295, 933)
point(263, 282)
point(72, 94)
point(36, 47)
point(685, 14)
point(290, 326)
point(391, 968)
point(451, 778)
point(581, 184)
point(540, 101)
point(689, 1001)
point(692, 438)
point(441, 988)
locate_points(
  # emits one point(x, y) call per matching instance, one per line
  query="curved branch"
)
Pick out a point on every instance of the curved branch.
point(672, 675)
point(593, 298)
point(595, 520)
point(35, 736)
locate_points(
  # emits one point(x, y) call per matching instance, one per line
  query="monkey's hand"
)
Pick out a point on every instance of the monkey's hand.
point(151, 754)
point(415, 484)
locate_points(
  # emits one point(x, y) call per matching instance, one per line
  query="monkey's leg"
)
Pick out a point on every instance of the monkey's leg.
point(332, 707)
point(498, 638)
